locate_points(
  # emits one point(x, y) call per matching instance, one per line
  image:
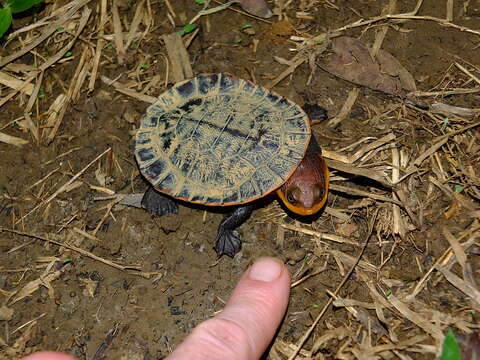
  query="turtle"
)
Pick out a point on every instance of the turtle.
point(219, 140)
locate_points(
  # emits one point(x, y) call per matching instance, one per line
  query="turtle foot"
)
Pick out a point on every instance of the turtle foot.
point(228, 243)
point(158, 204)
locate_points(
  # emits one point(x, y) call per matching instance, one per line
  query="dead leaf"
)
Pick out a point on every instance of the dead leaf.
point(34, 285)
point(350, 59)
point(256, 7)
point(90, 286)
point(347, 228)
point(6, 313)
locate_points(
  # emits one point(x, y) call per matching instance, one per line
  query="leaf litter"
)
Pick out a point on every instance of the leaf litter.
point(396, 252)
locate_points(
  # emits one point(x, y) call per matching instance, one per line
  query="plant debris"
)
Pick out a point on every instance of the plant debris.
point(388, 270)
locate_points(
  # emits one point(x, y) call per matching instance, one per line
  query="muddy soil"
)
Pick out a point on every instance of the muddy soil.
point(181, 281)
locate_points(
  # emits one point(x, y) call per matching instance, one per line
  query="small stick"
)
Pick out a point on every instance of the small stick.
point(28, 322)
point(12, 140)
point(74, 248)
point(13, 93)
point(64, 186)
point(99, 47)
point(356, 192)
point(443, 93)
point(117, 27)
point(170, 8)
point(135, 23)
point(320, 235)
point(14, 83)
point(125, 90)
point(306, 277)
point(46, 34)
point(449, 16)
point(427, 153)
point(473, 77)
point(459, 131)
point(346, 108)
point(337, 290)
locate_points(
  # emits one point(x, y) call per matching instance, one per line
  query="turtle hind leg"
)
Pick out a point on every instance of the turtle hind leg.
point(228, 241)
point(158, 204)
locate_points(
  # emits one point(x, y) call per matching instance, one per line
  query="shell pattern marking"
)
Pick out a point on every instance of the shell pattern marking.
point(218, 140)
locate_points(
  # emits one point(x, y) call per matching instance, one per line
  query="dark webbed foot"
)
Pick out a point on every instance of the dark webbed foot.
point(158, 204)
point(228, 241)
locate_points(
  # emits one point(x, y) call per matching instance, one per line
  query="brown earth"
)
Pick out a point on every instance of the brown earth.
point(181, 281)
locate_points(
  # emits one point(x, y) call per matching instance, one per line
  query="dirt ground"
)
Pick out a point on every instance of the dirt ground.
point(82, 274)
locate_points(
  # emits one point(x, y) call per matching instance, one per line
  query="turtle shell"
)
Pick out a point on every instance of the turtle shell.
point(219, 140)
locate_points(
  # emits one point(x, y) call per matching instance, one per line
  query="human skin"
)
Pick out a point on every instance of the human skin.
point(245, 327)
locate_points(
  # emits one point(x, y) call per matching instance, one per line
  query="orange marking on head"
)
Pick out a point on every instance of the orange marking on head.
point(305, 193)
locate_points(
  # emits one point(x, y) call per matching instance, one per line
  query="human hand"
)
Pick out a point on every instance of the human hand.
point(245, 327)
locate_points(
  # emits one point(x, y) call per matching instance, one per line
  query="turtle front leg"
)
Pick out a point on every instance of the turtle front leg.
point(158, 204)
point(228, 240)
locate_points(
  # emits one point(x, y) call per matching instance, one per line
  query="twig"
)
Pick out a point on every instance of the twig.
point(473, 77)
point(74, 248)
point(64, 186)
point(320, 235)
point(356, 192)
point(124, 90)
point(99, 47)
point(117, 26)
point(337, 290)
point(46, 34)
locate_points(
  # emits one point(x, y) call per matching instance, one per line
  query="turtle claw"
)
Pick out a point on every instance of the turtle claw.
point(228, 240)
point(157, 204)
point(228, 243)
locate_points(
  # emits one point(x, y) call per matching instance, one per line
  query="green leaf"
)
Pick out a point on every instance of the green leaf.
point(22, 5)
point(200, 2)
point(187, 29)
point(246, 26)
point(5, 20)
point(450, 347)
point(458, 188)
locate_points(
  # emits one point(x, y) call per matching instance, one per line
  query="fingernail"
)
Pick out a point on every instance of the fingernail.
point(266, 269)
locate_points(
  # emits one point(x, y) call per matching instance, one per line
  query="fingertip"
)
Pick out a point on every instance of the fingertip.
point(248, 323)
point(48, 355)
point(259, 301)
point(266, 269)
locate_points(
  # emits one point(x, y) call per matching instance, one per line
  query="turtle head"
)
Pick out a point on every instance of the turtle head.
point(305, 192)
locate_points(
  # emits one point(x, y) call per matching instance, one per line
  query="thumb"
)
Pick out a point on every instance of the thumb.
point(246, 326)
point(48, 355)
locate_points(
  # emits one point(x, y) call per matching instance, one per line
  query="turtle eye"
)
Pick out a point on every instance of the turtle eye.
point(291, 198)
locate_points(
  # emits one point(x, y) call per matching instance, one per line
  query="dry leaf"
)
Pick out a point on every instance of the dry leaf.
point(6, 313)
point(347, 228)
point(256, 7)
point(90, 286)
point(34, 285)
point(351, 60)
